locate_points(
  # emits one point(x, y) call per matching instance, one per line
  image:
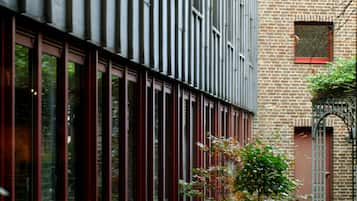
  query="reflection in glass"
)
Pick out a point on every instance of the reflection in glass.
point(48, 138)
point(23, 123)
point(75, 129)
point(100, 135)
point(156, 145)
point(132, 141)
point(168, 147)
point(116, 92)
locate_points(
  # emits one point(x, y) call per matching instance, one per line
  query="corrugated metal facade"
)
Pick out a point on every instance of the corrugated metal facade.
point(209, 44)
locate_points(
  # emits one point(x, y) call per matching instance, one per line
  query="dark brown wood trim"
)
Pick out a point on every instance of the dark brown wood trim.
point(7, 105)
point(175, 142)
point(142, 136)
point(37, 118)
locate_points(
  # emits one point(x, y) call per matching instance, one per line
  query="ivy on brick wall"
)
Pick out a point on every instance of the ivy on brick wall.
point(338, 79)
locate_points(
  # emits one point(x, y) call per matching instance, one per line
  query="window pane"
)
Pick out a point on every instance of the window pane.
point(193, 136)
point(100, 135)
point(23, 123)
point(157, 139)
point(187, 141)
point(48, 138)
point(116, 93)
point(312, 40)
point(168, 147)
point(75, 128)
point(132, 141)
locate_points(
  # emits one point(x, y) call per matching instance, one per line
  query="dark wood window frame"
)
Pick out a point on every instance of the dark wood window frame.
point(312, 59)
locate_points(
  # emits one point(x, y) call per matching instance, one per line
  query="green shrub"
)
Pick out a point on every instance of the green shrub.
point(339, 78)
point(263, 174)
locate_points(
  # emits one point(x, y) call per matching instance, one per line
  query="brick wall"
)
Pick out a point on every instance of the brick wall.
point(283, 98)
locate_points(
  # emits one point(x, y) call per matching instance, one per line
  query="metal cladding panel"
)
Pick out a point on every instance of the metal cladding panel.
point(35, 8)
point(79, 18)
point(110, 27)
point(147, 32)
point(187, 43)
point(155, 33)
point(123, 28)
point(135, 32)
point(9, 4)
point(59, 14)
point(95, 11)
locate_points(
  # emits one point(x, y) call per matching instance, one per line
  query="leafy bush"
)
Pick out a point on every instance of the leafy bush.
point(253, 172)
point(340, 77)
point(263, 174)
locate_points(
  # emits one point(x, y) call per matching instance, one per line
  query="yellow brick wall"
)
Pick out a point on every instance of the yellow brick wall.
point(283, 98)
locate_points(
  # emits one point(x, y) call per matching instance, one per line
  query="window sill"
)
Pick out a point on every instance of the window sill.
point(311, 60)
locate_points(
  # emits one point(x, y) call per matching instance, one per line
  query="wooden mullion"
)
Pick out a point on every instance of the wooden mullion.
point(7, 105)
point(37, 119)
point(162, 144)
point(142, 162)
point(175, 141)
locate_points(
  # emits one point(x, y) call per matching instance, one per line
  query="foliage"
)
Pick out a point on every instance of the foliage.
point(217, 179)
point(263, 174)
point(246, 173)
point(340, 77)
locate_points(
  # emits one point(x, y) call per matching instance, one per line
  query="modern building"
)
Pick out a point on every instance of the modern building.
point(296, 40)
point(106, 99)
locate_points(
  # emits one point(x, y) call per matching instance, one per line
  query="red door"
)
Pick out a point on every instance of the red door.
point(303, 146)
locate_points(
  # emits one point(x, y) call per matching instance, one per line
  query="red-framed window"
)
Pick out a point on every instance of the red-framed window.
point(313, 42)
point(161, 140)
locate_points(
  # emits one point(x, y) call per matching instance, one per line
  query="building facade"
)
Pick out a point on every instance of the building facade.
point(106, 99)
point(296, 39)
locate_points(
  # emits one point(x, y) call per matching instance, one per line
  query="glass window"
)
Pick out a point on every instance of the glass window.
point(23, 123)
point(48, 138)
point(75, 127)
point(132, 140)
point(116, 93)
point(230, 20)
point(168, 147)
point(157, 142)
point(100, 80)
point(313, 40)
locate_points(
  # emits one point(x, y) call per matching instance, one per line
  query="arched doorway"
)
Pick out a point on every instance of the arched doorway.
point(344, 107)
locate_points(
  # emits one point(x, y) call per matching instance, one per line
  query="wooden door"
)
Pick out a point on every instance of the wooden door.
point(303, 158)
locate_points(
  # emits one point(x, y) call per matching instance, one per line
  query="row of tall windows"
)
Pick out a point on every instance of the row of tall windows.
point(53, 135)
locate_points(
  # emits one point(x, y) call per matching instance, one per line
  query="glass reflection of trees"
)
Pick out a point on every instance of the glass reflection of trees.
point(116, 92)
point(48, 137)
point(23, 123)
point(75, 122)
point(100, 135)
